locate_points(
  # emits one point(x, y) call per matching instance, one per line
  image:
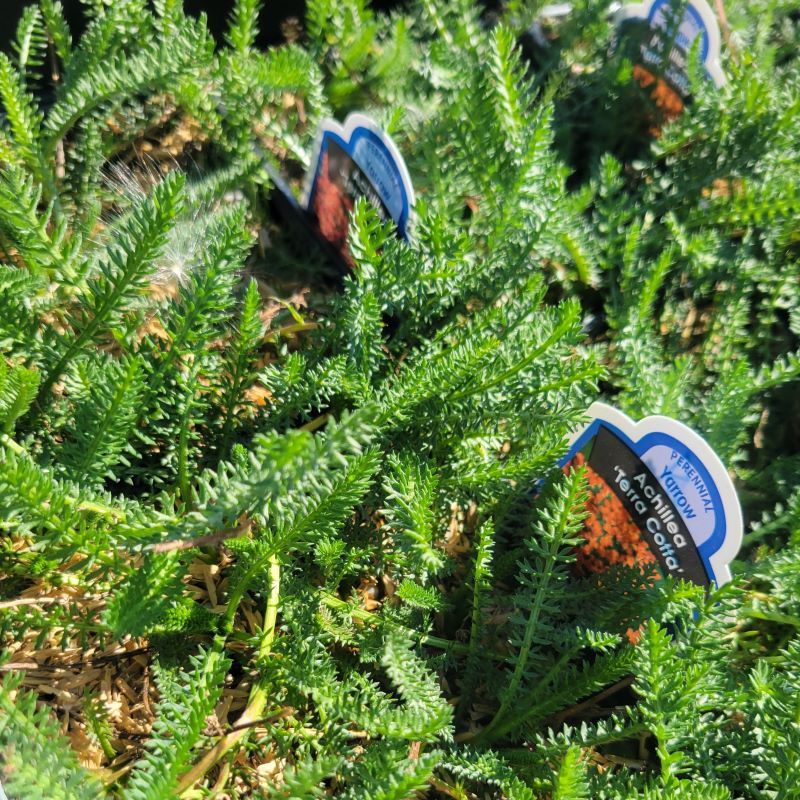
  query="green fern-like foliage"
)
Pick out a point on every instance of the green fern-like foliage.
point(37, 761)
point(178, 727)
point(570, 783)
point(551, 548)
point(323, 509)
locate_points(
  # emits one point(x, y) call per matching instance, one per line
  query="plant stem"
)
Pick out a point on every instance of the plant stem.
point(313, 424)
point(771, 616)
point(183, 443)
point(287, 330)
point(105, 745)
point(258, 693)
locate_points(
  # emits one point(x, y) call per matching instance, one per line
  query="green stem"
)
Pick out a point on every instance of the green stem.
point(8, 442)
point(316, 423)
point(104, 742)
point(183, 442)
point(238, 593)
point(771, 616)
point(258, 692)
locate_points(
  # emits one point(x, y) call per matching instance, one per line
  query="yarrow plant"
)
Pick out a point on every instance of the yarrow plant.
point(270, 531)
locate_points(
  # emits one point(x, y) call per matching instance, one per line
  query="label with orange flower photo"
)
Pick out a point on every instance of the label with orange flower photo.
point(659, 36)
point(660, 500)
point(356, 160)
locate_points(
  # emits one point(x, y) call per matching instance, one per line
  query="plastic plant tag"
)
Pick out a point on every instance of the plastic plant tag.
point(660, 499)
point(661, 35)
point(351, 161)
point(303, 227)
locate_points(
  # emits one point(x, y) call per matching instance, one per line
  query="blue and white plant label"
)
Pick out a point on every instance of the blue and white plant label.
point(661, 34)
point(351, 161)
point(660, 499)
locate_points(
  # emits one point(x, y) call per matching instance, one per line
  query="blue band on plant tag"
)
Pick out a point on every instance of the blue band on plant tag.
point(659, 496)
point(691, 26)
point(664, 47)
point(351, 161)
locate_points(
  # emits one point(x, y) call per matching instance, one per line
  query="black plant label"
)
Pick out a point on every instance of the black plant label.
point(650, 507)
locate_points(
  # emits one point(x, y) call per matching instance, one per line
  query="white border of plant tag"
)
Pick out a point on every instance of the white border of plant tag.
point(647, 11)
point(358, 126)
point(721, 547)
